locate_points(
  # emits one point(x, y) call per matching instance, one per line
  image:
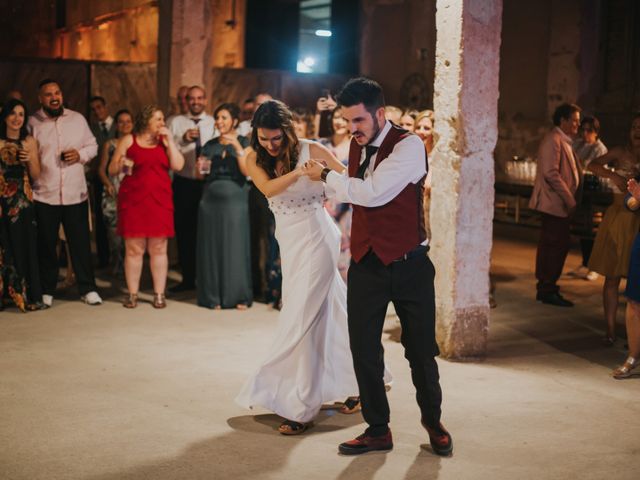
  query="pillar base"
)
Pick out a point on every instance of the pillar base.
point(464, 337)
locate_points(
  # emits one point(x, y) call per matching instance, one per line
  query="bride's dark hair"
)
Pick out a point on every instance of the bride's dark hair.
point(274, 115)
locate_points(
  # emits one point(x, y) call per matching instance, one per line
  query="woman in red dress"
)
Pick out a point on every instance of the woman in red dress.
point(145, 203)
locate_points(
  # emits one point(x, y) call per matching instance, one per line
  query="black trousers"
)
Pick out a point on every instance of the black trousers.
point(21, 249)
point(409, 285)
point(553, 247)
point(75, 220)
point(102, 239)
point(186, 200)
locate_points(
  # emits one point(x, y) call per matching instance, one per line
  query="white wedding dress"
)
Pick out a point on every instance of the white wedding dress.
point(309, 362)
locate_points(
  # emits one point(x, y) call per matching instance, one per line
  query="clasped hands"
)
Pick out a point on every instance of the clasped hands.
point(313, 169)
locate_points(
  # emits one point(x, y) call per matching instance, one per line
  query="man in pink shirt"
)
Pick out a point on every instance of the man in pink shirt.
point(65, 144)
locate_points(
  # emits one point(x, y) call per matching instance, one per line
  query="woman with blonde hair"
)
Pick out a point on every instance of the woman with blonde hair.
point(424, 129)
point(408, 120)
point(145, 200)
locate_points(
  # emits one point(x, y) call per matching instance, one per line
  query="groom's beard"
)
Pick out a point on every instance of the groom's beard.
point(375, 133)
point(54, 112)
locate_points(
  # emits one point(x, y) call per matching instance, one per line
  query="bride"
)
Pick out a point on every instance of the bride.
point(309, 361)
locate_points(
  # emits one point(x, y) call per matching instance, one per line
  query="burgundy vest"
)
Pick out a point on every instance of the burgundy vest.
point(393, 229)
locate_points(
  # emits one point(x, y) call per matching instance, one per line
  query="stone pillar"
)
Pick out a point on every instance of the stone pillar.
point(185, 38)
point(563, 81)
point(466, 121)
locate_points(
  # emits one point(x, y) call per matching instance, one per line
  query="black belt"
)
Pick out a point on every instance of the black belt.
point(419, 250)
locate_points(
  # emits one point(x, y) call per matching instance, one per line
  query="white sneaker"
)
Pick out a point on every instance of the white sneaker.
point(47, 300)
point(580, 272)
point(591, 276)
point(91, 298)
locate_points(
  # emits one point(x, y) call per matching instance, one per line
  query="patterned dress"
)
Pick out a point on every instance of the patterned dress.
point(110, 216)
point(19, 274)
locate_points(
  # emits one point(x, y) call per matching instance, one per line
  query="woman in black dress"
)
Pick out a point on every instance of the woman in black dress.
point(223, 267)
point(19, 165)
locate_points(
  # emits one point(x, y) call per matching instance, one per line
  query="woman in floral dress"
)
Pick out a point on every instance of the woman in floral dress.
point(124, 126)
point(19, 165)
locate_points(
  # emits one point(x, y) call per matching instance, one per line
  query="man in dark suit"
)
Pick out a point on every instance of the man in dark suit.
point(103, 128)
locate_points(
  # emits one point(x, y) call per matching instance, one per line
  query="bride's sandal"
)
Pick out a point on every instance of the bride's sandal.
point(351, 405)
point(289, 427)
point(624, 371)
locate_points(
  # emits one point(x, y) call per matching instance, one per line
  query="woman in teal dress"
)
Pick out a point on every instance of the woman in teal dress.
point(223, 265)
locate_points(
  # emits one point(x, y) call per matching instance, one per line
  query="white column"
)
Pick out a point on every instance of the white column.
point(466, 120)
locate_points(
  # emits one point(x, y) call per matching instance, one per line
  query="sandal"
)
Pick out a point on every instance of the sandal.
point(289, 427)
point(159, 300)
point(351, 405)
point(131, 301)
point(624, 371)
point(242, 306)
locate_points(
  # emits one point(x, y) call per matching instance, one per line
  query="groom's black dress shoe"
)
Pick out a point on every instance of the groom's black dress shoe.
point(440, 440)
point(366, 443)
point(553, 299)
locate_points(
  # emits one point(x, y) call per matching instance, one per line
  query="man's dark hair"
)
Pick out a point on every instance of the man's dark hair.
point(98, 98)
point(564, 111)
point(47, 81)
point(361, 90)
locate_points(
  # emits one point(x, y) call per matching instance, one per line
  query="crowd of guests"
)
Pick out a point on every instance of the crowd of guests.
point(570, 152)
point(136, 180)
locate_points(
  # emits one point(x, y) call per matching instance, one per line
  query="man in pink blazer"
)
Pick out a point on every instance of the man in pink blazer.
point(557, 180)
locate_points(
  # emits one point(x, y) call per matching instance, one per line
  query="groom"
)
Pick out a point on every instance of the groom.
point(387, 168)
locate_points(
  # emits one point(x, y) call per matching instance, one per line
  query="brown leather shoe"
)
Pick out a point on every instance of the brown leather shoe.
point(440, 440)
point(131, 301)
point(159, 300)
point(366, 443)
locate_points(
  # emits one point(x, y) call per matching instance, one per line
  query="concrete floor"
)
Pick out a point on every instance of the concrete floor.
point(104, 393)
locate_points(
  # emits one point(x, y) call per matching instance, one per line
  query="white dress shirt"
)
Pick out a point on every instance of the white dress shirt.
point(60, 183)
point(244, 129)
point(180, 124)
point(405, 164)
point(107, 123)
